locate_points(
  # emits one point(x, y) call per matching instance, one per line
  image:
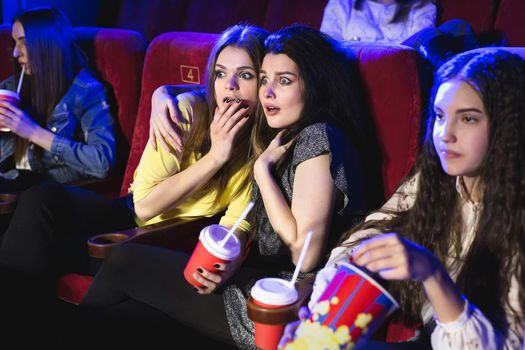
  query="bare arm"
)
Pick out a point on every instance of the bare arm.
point(312, 203)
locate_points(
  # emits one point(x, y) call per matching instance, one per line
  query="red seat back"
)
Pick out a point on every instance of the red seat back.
point(6, 51)
point(172, 58)
point(284, 12)
point(393, 90)
point(479, 13)
point(118, 57)
point(509, 21)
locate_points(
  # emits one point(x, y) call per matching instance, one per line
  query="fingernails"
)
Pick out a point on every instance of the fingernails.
point(200, 270)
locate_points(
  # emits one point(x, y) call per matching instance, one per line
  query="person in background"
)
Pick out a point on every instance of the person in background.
point(309, 175)
point(451, 240)
point(64, 129)
point(407, 22)
point(384, 21)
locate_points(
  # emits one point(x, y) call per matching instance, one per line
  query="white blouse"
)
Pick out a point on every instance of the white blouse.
point(472, 330)
point(372, 22)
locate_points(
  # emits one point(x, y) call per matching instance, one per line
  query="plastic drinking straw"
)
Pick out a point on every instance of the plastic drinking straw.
point(22, 73)
point(237, 223)
point(301, 258)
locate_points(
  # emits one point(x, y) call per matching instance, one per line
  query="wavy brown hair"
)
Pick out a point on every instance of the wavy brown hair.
point(250, 39)
point(497, 253)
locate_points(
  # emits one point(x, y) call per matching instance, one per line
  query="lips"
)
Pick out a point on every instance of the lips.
point(271, 110)
point(448, 154)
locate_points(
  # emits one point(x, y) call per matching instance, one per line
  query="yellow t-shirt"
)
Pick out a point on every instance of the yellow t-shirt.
point(156, 166)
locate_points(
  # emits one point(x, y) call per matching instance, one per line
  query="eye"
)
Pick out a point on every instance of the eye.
point(219, 74)
point(246, 75)
point(284, 81)
point(469, 119)
point(438, 116)
point(264, 80)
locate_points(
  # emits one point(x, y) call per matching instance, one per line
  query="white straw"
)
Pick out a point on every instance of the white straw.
point(22, 73)
point(237, 223)
point(301, 258)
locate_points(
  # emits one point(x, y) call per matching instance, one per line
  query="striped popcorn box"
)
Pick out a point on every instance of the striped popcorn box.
point(352, 306)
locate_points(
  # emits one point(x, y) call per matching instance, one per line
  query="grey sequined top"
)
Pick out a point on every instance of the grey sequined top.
point(268, 255)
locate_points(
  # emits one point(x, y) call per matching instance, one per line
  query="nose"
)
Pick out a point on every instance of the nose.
point(268, 91)
point(448, 132)
point(231, 83)
point(16, 52)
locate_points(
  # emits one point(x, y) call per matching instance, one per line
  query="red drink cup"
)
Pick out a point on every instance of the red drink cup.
point(9, 96)
point(209, 252)
point(271, 293)
point(352, 306)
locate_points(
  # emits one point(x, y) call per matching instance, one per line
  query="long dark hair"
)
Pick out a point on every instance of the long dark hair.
point(331, 94)
point(497, 253)
point(325, 69)
point(54, 60)
point(403, 8)
point(250, 39)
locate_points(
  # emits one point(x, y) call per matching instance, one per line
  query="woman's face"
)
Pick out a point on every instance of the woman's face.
point(235, 77)
point(281, 91)
point(20, 50)
point(461, 129)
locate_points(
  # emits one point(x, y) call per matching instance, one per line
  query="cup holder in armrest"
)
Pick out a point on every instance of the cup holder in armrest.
point(282, 315)
point(100, 245)
point(7, 203)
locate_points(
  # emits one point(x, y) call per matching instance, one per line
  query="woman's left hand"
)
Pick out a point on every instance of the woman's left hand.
point(17, 120)
point(396, 258)
point(212, 280)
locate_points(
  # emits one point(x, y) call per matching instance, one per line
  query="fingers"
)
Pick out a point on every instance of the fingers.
point(230, 113)
point(164, 130)
point(303, 313)
point(288, 334)
point(363, 251)
point(384, 254)
point(208, 279)
point(152, 138)
point(161, 139)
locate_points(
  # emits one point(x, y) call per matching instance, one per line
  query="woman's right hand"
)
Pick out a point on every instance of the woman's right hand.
point(163, 121)
point(227, 122)
point(289, 330)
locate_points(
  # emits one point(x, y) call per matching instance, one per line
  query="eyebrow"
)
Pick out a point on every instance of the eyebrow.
point(281, 73)
point(462, 110)
point(238, 68)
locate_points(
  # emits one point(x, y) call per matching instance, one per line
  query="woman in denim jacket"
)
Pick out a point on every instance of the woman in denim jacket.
point(63, 129)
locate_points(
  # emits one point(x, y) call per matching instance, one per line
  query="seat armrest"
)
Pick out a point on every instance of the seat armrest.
point(169, 234)
point(8, 202)
point(282, 315)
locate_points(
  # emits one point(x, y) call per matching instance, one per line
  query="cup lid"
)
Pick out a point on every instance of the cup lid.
point(274, 291)
point(212, 235)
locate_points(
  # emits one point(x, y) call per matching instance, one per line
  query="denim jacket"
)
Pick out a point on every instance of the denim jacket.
point(84, 145)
